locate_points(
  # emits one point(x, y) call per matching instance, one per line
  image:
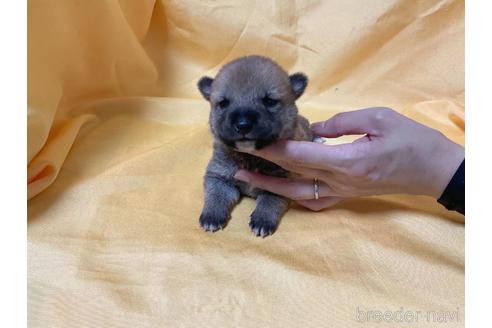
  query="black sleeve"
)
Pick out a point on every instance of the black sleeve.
point(453, 197)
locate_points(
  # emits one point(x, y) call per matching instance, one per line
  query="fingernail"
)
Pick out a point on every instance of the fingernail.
point(315, 127)
point(242, 175)
point(245, 149)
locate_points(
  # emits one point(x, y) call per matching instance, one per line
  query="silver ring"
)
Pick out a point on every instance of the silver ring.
point(316, 188)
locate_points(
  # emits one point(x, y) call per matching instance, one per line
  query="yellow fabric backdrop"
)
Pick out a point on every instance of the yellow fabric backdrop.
point(118, 143)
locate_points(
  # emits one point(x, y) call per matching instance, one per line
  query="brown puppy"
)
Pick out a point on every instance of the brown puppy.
point(252, 104)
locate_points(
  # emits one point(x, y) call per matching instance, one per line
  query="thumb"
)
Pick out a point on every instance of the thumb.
point(348, 123)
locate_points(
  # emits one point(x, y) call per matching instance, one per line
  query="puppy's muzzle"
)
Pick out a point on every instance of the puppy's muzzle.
point(244, 120)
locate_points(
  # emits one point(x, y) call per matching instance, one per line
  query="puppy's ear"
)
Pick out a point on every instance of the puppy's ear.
point(298, 82)
point(205, 86)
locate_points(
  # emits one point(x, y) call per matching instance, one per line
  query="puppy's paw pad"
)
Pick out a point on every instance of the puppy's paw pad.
point(262, 228)
point(212, 223)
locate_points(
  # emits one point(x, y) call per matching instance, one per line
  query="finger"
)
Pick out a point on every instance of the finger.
point(296, 189)
point(305, 172)
point(364, 138)
point(309, 154)
point(361, 121)
point(319, 204)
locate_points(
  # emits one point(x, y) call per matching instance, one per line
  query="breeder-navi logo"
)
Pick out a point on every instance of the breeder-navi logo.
point(406, 316)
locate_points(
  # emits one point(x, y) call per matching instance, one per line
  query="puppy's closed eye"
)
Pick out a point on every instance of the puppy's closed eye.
point(224, 103)
point(269, 102)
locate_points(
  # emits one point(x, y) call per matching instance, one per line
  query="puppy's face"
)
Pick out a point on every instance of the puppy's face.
point(252, 102)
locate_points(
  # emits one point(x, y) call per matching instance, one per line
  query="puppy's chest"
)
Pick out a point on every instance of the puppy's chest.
point(258, 165)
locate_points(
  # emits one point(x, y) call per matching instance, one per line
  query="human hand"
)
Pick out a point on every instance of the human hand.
point(395, 155)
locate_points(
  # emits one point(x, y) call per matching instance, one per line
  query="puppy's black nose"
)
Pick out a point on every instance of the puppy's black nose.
point(244, 121)
point(243, 125)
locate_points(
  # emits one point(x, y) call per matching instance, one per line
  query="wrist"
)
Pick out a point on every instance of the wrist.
point(445, 160)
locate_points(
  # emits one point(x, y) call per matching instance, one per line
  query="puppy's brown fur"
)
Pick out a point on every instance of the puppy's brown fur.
point(252, 105)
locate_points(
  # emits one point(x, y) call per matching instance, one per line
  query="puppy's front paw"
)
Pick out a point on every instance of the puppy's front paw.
point(211, 222)
point(261, 226)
